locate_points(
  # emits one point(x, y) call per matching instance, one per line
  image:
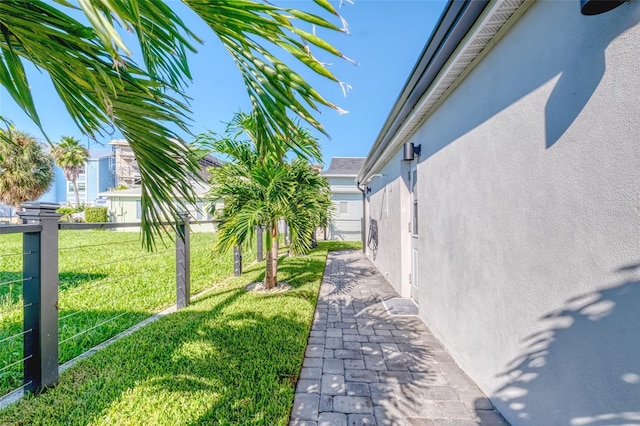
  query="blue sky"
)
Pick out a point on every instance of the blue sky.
point(386, 38)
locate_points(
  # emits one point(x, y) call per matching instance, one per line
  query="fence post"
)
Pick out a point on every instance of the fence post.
point(183, 263)
point(40, 297)
point(237, 261)
point(259, 243)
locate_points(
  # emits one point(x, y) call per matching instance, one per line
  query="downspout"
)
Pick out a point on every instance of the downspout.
point(363, 230)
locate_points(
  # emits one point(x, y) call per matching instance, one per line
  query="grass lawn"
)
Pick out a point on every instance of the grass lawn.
point(232, 357)
point(107, 284)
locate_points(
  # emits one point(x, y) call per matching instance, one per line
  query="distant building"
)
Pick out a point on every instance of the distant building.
point(126, 169)
point(125, 205)
point(347, 199)
point(127, 172)
point(96, 176)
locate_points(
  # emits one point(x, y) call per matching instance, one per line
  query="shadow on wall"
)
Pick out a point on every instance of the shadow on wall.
point(578, 58)
point(584, 368)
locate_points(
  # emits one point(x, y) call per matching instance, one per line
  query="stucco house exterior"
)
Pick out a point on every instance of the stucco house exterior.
point(346, 224)
point(513, 219)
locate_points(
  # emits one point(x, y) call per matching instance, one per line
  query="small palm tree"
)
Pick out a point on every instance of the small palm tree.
point(262, 190)
point(71, 157)
point(26, 169)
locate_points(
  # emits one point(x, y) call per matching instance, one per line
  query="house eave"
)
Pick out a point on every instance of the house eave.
point(465, 32)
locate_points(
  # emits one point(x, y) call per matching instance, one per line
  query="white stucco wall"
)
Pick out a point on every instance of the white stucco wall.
point(388, 205)
point(529, 241)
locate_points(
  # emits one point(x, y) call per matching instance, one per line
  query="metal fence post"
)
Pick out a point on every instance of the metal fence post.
point(40, 297)
point(237, 261)
point(259, 243)
point(183, 263)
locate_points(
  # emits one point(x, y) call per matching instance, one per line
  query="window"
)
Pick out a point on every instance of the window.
point(82, 186)
point(138, 209)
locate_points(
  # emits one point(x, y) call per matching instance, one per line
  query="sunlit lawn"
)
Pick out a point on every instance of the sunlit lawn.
point(232, 357)
point(107, 284)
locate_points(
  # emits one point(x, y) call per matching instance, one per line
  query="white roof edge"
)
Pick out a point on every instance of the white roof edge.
point(492, 24)
point(352, 175)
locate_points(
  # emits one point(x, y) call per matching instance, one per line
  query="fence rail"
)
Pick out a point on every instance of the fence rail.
point(19, 229)
point(41, 288)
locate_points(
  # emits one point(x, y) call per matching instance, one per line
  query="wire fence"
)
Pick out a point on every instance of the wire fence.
point(100, 284)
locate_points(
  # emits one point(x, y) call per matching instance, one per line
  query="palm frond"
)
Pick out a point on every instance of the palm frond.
point(103, 88)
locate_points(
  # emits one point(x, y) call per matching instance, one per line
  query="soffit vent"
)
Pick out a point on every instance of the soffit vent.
point(460, 62)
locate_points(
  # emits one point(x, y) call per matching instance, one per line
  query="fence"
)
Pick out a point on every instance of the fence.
point(40, 290)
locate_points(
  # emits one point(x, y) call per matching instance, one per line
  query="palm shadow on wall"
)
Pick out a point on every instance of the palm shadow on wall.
point(584, 368)
point(578, 59)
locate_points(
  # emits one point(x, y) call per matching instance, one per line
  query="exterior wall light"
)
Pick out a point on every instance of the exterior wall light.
point(410, 151)
point(596, 7)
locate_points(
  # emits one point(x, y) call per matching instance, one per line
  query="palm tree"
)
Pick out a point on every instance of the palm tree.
point(104, 89)
point(26, 169)
point(261, 191)
point(71, 156)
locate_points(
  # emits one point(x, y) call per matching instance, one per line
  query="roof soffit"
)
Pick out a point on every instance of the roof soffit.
point(489, 27)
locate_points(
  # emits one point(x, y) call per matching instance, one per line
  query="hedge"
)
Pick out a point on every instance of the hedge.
point(95, 214)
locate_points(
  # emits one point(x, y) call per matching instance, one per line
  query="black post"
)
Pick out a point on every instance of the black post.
point(237, 261)
point(183, 264)
point(40, 296)
point(259, 243)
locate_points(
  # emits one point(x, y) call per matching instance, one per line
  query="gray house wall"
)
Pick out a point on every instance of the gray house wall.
point(529, 230)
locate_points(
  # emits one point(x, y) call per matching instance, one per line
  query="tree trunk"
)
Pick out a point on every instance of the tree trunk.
point(75, 190)
point(271, 272)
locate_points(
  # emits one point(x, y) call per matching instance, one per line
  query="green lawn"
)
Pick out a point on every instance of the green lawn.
point(107, 284)
point(232, 357)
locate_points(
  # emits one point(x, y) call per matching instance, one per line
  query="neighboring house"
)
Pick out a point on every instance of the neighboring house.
point(347, 199)
point(125, 206)
point(57, 194)
point(96, 176)
point(127, 172)
point(517, 227)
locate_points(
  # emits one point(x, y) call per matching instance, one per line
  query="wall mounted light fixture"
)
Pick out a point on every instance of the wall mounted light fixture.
point(596, 7)
point(410, 151)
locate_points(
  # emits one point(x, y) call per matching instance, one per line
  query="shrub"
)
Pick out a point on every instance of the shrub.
point(95, 214)
point(68, 212)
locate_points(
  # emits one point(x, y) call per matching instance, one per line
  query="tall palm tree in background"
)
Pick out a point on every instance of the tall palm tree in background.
point(261, 190)
point(26, 168)
point(104, 89)
point(71, 157)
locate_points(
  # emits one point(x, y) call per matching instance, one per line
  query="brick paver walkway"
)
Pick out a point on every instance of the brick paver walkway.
point(365, 367)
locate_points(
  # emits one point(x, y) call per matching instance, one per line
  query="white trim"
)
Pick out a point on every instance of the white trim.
point(493, 23)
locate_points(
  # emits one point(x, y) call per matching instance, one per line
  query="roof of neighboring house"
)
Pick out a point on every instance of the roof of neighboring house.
point(465, 32)
point(344, 166)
